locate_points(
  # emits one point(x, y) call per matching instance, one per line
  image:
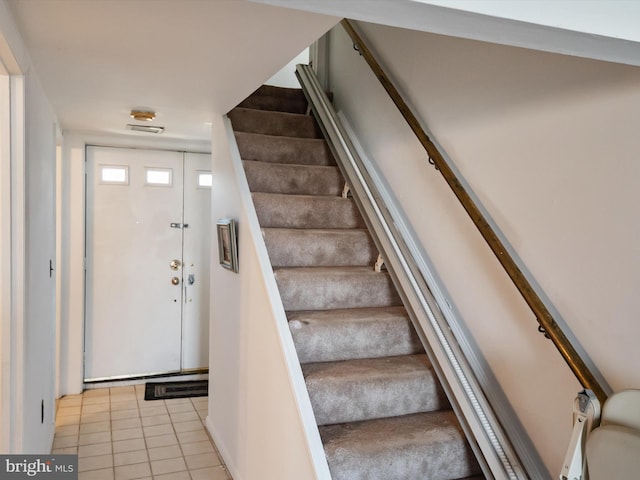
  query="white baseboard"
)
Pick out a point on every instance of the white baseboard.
point(222, 450)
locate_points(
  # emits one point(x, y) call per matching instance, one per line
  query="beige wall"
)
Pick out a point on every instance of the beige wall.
point(549, 145)
point(260, 414)
point(28, 332)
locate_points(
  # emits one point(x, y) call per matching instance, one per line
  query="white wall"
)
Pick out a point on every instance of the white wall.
point(40, 310)
point(547, 142)
point(259, 411)
point(286, 76)
point(31, 325)
point(71, 265)
point(5, 259)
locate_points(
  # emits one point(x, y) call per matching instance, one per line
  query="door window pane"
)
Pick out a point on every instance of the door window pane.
point(159, 177)
point(114, 174)
point(205, 179)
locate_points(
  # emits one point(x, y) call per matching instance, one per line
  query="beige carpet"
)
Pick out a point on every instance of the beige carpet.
point(381, 411)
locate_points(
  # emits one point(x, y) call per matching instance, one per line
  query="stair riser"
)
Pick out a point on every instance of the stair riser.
point(431, 462)
point(339, 397)
point(324, 291)
point(274, 123)
point(269, 97)
point(319, 340)
point(295, 180)
point(276, 104)
point(319, 248)
point(429, 445)
point(291, 211)
point(276, 149)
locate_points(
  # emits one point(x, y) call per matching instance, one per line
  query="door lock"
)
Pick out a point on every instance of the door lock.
point(175, 281)
point(175, 264)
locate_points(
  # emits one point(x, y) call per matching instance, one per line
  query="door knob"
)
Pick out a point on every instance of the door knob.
point(175, 264)
point(175, 281)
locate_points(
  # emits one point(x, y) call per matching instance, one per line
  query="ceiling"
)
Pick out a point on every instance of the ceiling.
point(187, 60)
point(597, 29)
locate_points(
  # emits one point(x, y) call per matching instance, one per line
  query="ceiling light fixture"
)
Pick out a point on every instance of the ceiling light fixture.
point(145, 128)
point(142, 115)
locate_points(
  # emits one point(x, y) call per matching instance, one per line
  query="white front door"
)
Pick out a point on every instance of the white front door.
point(140, 301)
point(197, 220)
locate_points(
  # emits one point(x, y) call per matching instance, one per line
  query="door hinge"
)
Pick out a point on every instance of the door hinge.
point(50, 268)
point(179, 225)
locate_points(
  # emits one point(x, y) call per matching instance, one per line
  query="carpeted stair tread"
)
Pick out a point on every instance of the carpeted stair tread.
point(306, 211)
point(269, 97)
point(293, 179)
point(281, 149)
point(364, 389)
point(290, 247)
point(382, 413)
point(332, 335)
point(329, 288)
point(274, 123)
point(423, 445)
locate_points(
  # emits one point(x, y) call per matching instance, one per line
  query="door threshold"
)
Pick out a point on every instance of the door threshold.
point(194, 374)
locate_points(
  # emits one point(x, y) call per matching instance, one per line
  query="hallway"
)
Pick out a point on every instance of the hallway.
point(120, 436)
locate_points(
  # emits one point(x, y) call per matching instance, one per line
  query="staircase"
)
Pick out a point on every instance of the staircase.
point(378, 404)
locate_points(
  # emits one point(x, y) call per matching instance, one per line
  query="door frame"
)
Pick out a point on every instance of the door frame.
point(12, 249)
point(73, 239)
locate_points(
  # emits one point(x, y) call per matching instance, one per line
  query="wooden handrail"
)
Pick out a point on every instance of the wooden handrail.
point(543, 316)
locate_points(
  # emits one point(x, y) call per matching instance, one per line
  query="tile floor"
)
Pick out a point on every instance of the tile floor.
point(120, 436)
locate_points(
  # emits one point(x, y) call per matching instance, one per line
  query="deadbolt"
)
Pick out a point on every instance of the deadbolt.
point(175, 264)
point(175, 281)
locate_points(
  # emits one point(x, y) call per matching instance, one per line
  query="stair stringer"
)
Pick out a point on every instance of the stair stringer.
point(484, 432)
point(256, 382)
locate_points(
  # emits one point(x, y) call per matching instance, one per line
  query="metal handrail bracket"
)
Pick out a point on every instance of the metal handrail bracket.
point(486, 435)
